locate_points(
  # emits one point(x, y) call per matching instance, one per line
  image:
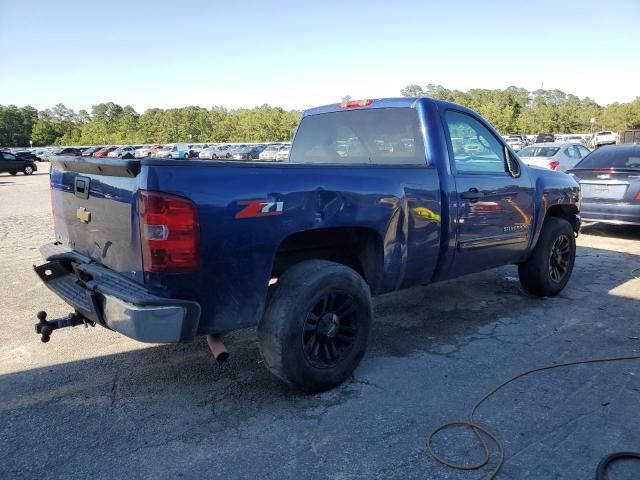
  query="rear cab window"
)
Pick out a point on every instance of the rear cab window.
point(378, 136)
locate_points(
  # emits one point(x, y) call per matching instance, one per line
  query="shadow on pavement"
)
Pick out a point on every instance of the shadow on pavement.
point(626, 232)
point(163, 389)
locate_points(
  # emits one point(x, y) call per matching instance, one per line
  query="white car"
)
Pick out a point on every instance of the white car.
point(599, 139)
point(283, 153)
point(206, 153)
point(120, 151)
point(146, 151)
point(573, 139)
point(162, 152)
point(269, 154)
point(553, 155)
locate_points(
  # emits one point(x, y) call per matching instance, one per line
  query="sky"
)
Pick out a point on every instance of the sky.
point(297, 54)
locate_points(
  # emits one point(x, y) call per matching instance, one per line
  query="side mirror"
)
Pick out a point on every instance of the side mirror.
point(513, 167)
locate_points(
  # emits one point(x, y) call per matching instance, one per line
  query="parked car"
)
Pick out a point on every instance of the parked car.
point(103, 152)
point(283, 153)
point(250, 152)
point(270, 152)
point(179, 150)
point(121, 152)
point(545, 138)
point(70, 152)
point(196, 148)
point(162, 152)
point(10, 163)
point(26, 155)
point(574, 139)
point(87, 152)
point(41, 153)
point(223, 151)
point(146, 151)
point(629, 136)
point(554, 156)
point(299, 252)
point(610, 184)
point(517, 142)
point(599, 139)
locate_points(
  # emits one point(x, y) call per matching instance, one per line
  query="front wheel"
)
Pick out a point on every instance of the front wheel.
point(315, 328)
point(549, 268)
point(28, 170)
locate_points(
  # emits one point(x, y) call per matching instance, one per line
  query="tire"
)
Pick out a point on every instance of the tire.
point(549, 268)
point(28, 170)
point(314, 330)
point(186, 155)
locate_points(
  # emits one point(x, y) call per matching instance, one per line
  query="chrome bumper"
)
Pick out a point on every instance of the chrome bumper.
point(115, 301)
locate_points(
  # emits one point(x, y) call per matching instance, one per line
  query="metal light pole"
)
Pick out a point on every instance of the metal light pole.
point(592, 122)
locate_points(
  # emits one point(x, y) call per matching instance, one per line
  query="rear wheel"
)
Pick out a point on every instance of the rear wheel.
point(549, 268)
point(315, 328)
point(28, 170)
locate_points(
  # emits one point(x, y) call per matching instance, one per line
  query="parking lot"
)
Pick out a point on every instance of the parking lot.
point(94, 404)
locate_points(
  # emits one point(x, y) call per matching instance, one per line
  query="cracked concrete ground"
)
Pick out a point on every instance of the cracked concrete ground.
point(93, 404)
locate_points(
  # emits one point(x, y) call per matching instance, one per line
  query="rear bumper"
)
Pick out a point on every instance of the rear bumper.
point(614, 213)
point(114, 301)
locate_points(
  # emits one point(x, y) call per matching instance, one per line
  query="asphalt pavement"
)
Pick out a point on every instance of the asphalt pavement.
point(94, 404)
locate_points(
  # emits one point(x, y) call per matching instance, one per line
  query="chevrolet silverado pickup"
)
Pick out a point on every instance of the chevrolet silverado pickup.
point(376, 196)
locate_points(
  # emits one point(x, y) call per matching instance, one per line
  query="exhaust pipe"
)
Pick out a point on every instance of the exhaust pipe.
point(217, 347)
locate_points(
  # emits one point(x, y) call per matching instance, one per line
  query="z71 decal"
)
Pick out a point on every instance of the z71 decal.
point(259, 208)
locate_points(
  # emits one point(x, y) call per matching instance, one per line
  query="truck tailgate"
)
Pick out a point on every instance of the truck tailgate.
point(94, 210)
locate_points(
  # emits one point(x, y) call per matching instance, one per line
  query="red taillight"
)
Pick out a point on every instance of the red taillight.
point(553, 165)
point(638, 196)
point(169, 232)
point(355, 103)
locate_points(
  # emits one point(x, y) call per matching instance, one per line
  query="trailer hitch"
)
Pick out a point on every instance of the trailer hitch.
point(46, 328)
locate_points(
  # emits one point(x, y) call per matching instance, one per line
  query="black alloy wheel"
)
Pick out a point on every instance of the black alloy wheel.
point(559, 258)
point(330, 330)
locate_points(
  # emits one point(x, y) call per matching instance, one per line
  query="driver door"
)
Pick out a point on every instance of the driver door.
point(495, 207)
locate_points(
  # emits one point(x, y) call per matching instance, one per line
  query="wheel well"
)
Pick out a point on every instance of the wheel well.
point(568, 212)
point(356, 247)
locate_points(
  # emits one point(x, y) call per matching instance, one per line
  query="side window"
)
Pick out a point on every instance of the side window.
point(572, 152)
point(475, 148)
point(9, 156)
point(584, 151)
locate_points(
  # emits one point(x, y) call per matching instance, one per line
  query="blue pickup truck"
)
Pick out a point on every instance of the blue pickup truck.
point(377, 196)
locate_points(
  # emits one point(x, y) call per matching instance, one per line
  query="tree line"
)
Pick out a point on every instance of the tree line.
point(517, 110)
point(513, 110)
point(112, 124)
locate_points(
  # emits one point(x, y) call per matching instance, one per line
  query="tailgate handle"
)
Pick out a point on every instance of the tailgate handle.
point(81, 187)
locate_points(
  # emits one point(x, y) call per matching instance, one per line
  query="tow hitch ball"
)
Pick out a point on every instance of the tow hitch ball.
point(46, 328)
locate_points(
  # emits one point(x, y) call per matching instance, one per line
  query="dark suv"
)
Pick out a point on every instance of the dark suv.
point(11, 164)
point(545, 138)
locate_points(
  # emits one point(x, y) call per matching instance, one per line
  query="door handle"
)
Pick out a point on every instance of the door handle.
point(472, 194)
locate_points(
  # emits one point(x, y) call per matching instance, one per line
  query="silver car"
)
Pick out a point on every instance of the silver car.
point(554, 155)
point(517, 142)
point(283, 153)
point(269, 153)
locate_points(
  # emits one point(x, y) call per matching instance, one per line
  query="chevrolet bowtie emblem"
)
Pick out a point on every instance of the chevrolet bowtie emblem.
point(83, 215)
